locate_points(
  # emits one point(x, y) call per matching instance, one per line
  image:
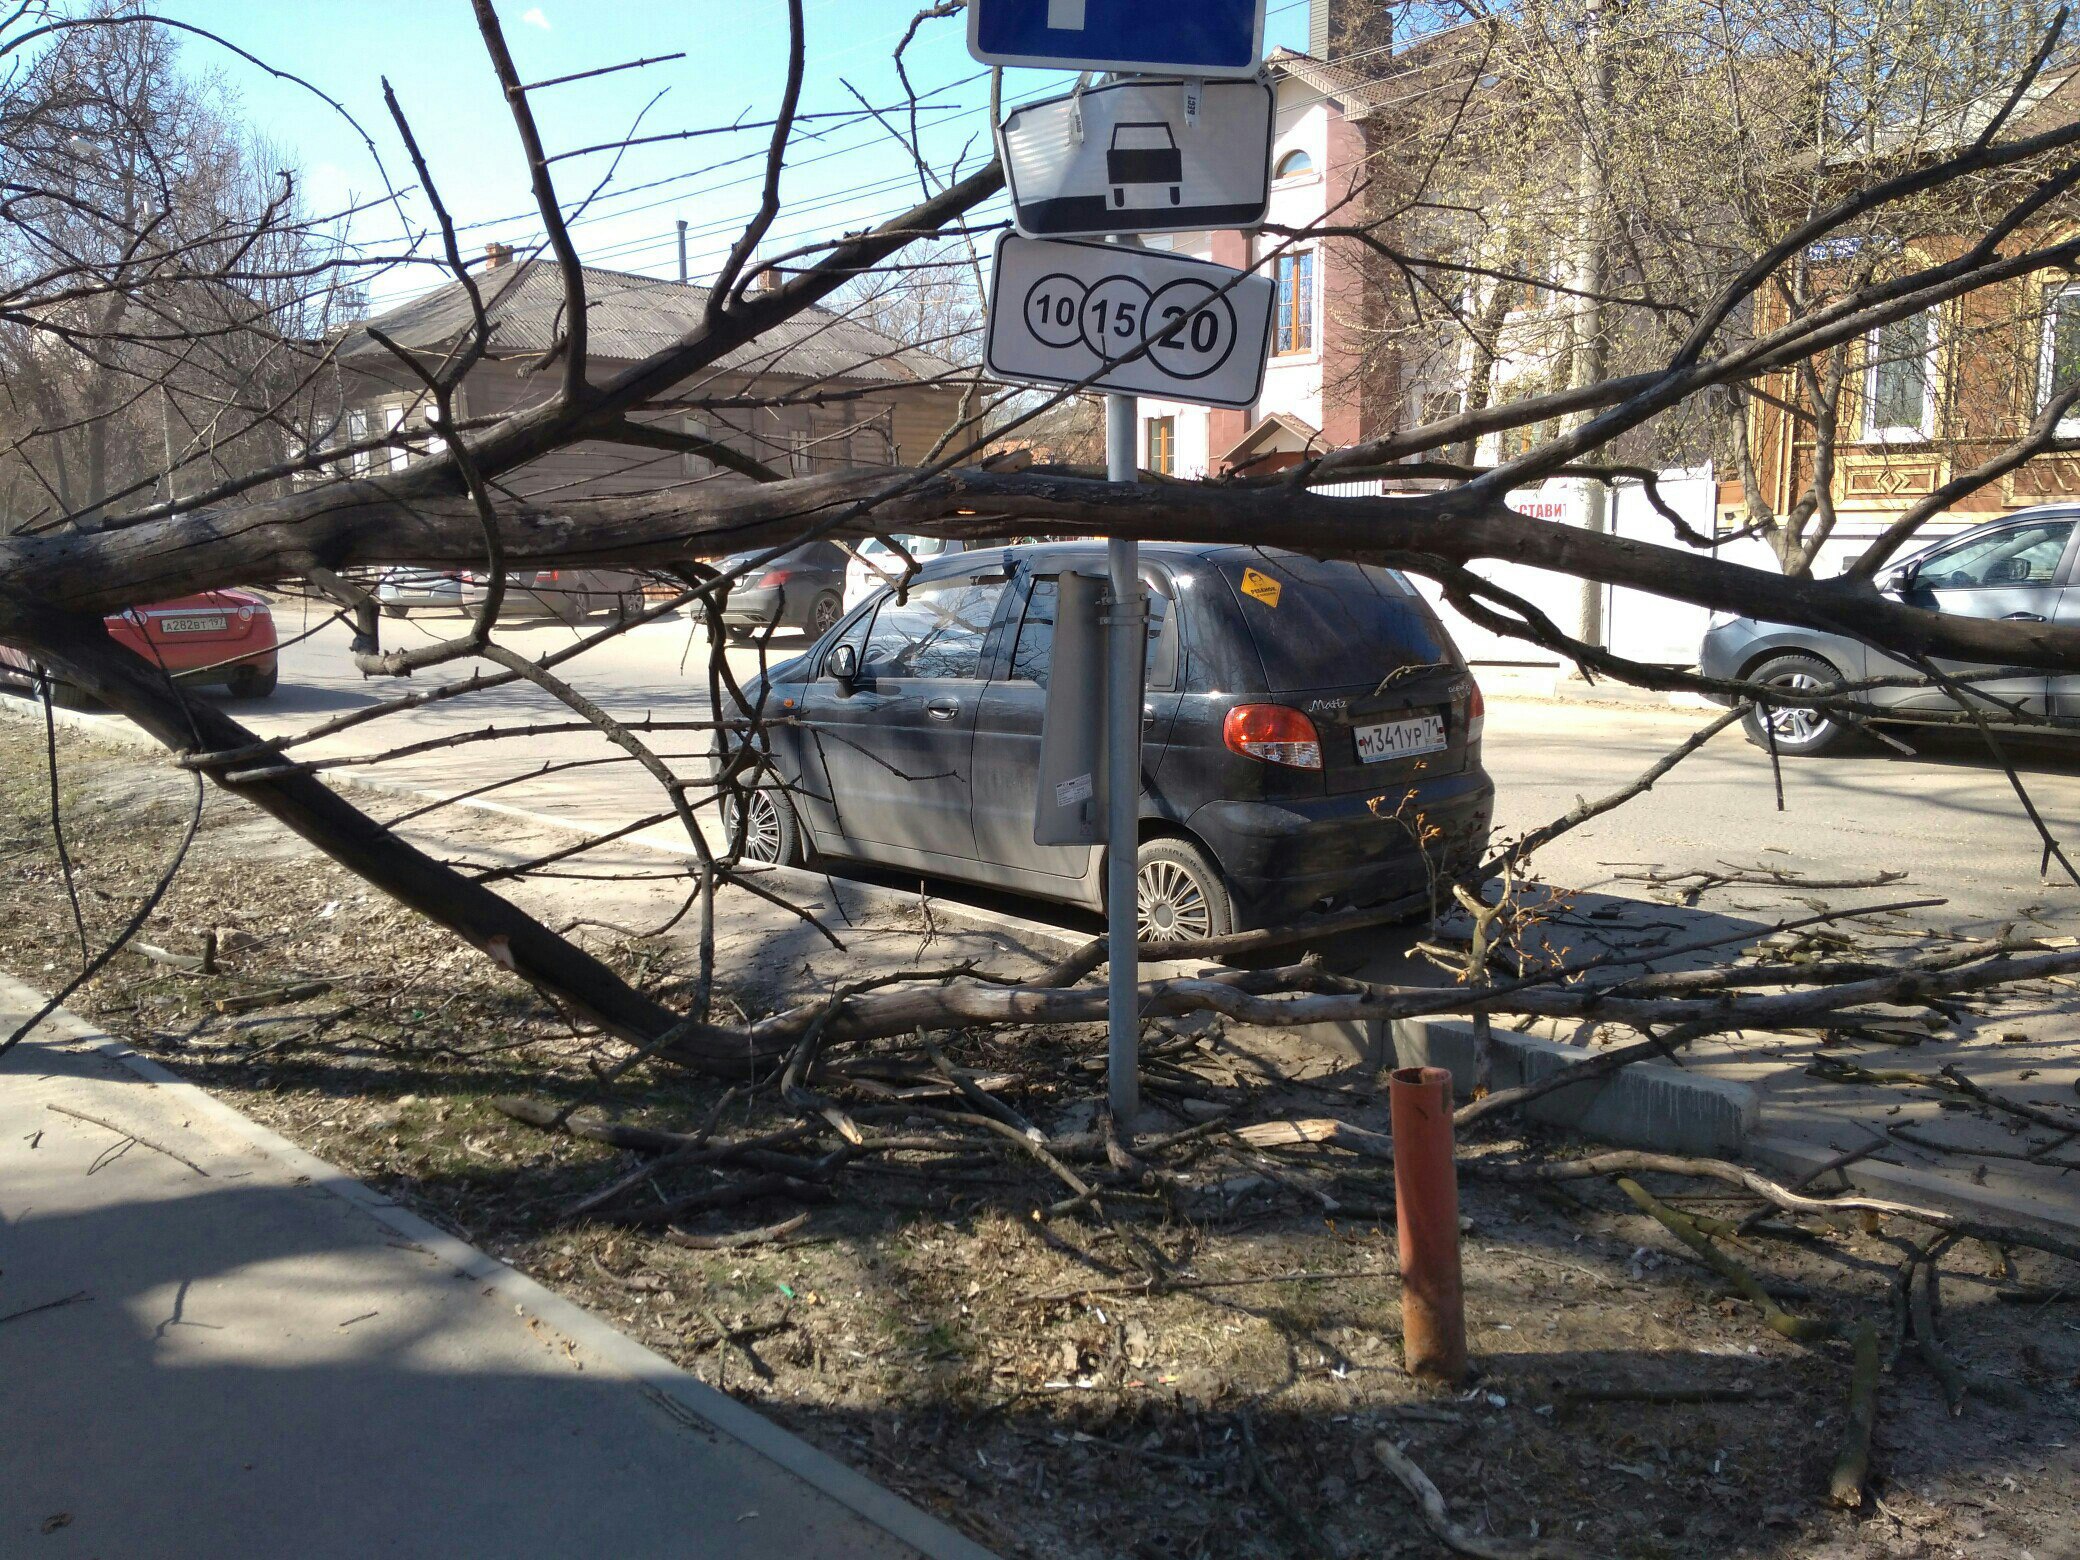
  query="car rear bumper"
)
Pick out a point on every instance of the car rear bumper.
point(753, 608)
point(1284, 858)
point(1726, 647)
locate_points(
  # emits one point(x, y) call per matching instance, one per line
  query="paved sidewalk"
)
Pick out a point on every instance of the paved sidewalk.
point(251, 1354)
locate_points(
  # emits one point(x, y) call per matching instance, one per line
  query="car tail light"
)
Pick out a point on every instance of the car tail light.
point(548, 576)
point(1476, 715)
point(1274, 734)
point(772, 579)
point(245, 614)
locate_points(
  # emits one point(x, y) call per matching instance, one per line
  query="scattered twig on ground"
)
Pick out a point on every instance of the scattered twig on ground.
point(128, 1135)
point(1852, 1463)
point(49, 1305)
point(1437, 1517)
point(1290, 1514)
point(737, 1240)
point(1685, 1229)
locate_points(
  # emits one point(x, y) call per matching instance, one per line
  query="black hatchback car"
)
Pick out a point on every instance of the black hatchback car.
point(1313, 737)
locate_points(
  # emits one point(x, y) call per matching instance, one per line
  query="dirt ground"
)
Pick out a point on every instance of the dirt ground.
point(1201, 1373)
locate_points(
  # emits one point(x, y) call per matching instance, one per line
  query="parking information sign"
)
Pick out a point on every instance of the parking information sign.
point(1193, 37)
point(1141, 156)
point(1059, 311)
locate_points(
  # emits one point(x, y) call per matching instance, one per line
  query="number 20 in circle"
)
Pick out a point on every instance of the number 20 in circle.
point(1191, 327)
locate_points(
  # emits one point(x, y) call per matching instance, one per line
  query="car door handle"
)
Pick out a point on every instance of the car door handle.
point(1148, 714)
point(2024, 617)
point(942, 709)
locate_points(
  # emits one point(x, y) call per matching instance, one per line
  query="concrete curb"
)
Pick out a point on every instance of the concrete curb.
point(1574, 690)
point(673, 1391)
point(1905, 1183)
point(1644, 1105)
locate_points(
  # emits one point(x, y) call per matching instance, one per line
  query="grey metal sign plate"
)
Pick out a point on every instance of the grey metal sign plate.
point(1141, 156)
point(1133, 321)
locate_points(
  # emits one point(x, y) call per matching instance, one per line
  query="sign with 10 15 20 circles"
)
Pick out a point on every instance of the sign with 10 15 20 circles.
point(1064, 313)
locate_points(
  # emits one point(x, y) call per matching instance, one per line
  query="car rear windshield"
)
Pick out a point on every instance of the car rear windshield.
point(1326, 625)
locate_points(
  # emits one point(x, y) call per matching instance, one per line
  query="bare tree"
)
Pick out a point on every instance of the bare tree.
point(1717, 301)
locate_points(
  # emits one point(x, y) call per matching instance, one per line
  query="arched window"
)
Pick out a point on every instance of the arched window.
point(1294, 163)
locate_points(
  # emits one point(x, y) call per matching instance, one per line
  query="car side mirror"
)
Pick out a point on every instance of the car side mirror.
point(1900, 581)
point(843, 664)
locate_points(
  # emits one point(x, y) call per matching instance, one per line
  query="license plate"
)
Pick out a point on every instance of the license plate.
point(1401, 738)
point(191, 625)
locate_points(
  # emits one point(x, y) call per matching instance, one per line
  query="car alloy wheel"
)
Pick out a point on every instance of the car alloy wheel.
point(823, 617)
point(1172, 903)
point(1798, 730)
point(764, 832)
point(1798, 725)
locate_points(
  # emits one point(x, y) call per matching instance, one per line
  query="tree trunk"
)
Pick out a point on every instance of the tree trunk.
point(83, 653)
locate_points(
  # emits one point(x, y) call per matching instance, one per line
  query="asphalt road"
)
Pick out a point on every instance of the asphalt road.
point(1946, 817)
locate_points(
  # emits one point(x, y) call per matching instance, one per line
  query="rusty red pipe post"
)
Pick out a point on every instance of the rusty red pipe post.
point(1426, 1213)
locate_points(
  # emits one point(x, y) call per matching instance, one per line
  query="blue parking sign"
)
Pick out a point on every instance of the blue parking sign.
point(1189, 37)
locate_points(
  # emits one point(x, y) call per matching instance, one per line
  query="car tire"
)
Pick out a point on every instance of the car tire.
point(1791, 729)
point(824, 614)
point(251, 682)
point(774, 834)
point(1180, 893)
point(391, 611)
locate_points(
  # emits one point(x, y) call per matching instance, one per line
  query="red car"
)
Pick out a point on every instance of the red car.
point(221, 636)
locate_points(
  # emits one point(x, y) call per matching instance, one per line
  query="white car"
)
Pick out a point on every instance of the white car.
point(876, 564)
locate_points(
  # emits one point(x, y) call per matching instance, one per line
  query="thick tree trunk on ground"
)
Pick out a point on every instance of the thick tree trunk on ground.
point(84, 654)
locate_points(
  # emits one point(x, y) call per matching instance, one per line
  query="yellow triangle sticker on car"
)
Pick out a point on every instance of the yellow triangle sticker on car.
point(1261, 587)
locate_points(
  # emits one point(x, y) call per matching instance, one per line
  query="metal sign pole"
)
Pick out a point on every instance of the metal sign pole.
point(1124, 651)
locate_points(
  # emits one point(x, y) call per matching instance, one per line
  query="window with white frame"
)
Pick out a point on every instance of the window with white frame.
point(1899, 381)
point(2060, 367)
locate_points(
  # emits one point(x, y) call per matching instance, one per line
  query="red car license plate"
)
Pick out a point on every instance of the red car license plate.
point(191, 625)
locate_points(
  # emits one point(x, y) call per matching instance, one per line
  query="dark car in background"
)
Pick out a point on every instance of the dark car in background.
point(801, 590)
point(2022, 568)
point(1313, 738)
point(221, 638)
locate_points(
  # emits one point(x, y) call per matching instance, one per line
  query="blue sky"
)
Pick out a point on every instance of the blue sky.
point(850, 174)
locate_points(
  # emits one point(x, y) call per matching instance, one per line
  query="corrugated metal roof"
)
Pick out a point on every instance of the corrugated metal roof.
point(631, 317)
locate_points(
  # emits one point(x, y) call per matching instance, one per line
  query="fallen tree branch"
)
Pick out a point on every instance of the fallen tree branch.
point(1636, 1162)
point(1852, 1464)
point(1438, 1518)
point(1685, 1229)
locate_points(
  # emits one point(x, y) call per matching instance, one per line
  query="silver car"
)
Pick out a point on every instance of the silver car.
point(2019, 568)
point(402, 591)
